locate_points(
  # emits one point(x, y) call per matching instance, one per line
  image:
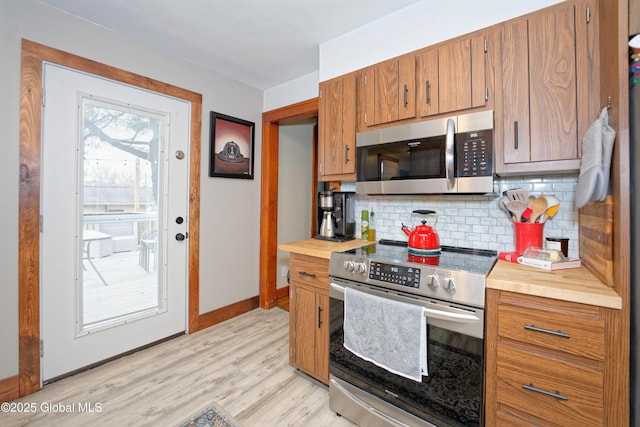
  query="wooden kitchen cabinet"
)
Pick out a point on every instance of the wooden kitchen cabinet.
point(545, 361)
point(309, 315)
point(337, 129)
point(389, 91)
point(451, 77)
point(549, 89)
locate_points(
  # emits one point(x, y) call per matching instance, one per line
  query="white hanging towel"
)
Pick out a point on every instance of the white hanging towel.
point(391, 334)
point(595, 166)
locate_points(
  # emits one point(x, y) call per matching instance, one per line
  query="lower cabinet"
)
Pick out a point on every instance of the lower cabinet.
point(309, 316)
point(545, 362)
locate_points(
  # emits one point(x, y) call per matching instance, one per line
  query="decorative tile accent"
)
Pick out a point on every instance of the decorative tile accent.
point(474, 221)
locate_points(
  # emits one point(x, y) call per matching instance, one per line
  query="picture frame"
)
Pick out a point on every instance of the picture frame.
point(231, 147)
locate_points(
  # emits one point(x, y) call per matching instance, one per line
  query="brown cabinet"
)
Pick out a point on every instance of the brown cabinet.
point(545, 361)
point(309, 315)
point(548, 89)
point(451, 77)
point(337, 129)
point(389, 91)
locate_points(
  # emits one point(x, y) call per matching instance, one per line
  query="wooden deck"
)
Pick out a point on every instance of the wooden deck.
point(129, 288)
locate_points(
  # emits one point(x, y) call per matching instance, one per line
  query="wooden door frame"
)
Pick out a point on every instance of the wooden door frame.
point(33, 57)
point(271, 121)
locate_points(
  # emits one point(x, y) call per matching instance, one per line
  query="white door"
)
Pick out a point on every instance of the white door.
point(114, 210)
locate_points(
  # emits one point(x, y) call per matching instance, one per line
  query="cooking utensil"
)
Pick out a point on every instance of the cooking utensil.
point(518, 194)
point(422, 239)
point(540, 206)
point(551, 202)
point(550, 213)
point(517, 208)
point(502, 204)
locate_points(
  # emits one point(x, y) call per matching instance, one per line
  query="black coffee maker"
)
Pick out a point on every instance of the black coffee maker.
point(336, 215)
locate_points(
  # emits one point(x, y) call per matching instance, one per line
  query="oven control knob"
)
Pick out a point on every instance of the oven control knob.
point(450, 285)
point(432, 281)
point(360, 267)
point(349, 265)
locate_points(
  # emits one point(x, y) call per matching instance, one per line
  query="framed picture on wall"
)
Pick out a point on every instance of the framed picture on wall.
point(231, 147)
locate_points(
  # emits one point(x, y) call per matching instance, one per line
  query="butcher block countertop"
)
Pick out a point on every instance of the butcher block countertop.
point(321, 248)
point(574, 284)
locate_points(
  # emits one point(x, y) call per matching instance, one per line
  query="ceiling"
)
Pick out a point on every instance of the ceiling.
point(262, 43)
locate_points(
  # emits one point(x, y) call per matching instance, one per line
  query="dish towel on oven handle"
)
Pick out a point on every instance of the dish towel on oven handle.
point(595, 165)
point(391, 334)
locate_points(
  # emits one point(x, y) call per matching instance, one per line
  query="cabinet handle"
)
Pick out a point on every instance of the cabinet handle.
point(346, 154)
point(557, 394)
point(515, 134)
point(319, 317)
point(547, 331)
point(406, 94)
point(428, 92)
point(304, 273)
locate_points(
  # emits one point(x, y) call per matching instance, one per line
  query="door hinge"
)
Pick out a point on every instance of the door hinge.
point(41, 348)
point(588, 15)
point(43, 96)
point(41, 223)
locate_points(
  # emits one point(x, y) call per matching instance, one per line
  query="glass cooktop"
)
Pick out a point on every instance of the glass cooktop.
point(477, 261)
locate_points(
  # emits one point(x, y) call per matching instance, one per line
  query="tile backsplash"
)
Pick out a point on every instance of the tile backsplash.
point(473, 221)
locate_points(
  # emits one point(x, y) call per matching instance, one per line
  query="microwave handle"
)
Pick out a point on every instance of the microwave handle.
point(448, 158)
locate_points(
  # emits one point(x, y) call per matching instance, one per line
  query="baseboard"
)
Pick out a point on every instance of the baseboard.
point(282, 293)
point(9, 389)
point(225, 313)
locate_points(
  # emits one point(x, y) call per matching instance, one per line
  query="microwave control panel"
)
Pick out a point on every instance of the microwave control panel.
point(474, 153)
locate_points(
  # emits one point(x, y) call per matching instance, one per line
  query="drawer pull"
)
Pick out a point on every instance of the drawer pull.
point(557, 394)
point(547, 331)
point(304, 273)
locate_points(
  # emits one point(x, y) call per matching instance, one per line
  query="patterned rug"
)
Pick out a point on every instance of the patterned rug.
point(212, 416)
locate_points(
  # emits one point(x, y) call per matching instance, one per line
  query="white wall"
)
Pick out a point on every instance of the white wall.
point(294, 190)
point(230, 208)
point(414, 27)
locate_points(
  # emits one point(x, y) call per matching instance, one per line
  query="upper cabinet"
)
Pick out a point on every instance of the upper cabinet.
point(336, 129)
point(545, 80)
point(451, 77)
point(390, 91)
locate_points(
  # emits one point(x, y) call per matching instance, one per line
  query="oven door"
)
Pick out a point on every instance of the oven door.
point(451, 395)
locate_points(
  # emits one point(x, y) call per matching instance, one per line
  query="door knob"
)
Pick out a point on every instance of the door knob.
point(179, 220)
point(180, 237)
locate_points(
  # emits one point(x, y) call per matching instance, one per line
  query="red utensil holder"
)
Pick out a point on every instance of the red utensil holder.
point(528, 234)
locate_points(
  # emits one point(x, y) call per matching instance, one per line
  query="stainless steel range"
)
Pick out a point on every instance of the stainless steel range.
point(449, 287)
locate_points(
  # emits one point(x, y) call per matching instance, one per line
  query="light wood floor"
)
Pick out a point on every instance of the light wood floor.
point(241, 364)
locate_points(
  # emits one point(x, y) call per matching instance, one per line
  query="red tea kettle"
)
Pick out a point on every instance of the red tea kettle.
point(423, 238)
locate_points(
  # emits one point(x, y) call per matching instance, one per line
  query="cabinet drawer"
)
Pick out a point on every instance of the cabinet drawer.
point(310, 270)
point(580, 336)
point(557, 391)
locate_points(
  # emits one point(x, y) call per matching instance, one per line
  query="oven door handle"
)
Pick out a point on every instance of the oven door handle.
point(430, 312)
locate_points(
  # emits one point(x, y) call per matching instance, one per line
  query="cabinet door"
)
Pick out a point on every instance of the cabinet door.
point(455, 76)
point(478, 70)
point(393, 90)
point(515, 91)
point(552, 85)
point(303, 310)
point(427, 77)
point(336, 130)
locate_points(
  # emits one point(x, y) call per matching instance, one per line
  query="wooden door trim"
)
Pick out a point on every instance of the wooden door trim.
point(33, 57)
point(271, 121)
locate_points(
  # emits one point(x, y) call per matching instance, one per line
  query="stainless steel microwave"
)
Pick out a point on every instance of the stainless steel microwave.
point(441, 156)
